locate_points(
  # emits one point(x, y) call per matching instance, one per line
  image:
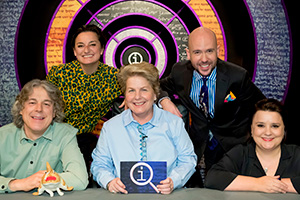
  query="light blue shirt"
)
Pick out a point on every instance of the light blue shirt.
point(167, 140)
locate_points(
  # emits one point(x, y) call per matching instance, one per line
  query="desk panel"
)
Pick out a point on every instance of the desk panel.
point(189, 193)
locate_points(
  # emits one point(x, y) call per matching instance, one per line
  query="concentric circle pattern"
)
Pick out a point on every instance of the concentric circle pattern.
point(157, 31)
point(257, 37)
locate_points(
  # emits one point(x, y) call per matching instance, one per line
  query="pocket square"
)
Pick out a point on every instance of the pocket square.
point(229, 97)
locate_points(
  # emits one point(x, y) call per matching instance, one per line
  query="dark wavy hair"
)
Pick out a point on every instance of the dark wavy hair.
point(90, 28)
point(52, 91)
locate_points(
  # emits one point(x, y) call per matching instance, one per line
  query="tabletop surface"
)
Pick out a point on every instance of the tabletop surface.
point(188, 193)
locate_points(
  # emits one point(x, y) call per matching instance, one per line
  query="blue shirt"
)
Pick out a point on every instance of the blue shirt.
point(167, 140)
point(197, 83)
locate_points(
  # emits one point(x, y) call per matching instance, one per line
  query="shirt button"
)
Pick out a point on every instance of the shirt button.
point(34, 144)
point(3, 187)
point(31, 162)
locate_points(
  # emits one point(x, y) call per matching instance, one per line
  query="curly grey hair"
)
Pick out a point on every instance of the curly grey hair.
point(53, 92)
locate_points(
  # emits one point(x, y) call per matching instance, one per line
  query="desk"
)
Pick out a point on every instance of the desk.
point(180, 194)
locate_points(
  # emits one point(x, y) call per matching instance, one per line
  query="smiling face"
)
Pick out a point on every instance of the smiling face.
point(203, 50)
point(139, 97)
point(37, 113)
point(88, 50)
point(267, 130)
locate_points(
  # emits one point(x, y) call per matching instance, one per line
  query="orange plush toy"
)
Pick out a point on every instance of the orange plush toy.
point(51, 181)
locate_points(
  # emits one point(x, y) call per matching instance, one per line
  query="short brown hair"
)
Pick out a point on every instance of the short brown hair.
point(90, 28)
point(143, 69)
point(53, 92)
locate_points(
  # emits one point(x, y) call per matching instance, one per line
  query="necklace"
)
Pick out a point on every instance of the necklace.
point(265, 161)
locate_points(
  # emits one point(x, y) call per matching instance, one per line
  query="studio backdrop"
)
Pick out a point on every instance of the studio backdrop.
point(254, 34)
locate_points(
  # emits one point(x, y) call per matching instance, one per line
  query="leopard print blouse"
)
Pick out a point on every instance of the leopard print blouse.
point(87, 97)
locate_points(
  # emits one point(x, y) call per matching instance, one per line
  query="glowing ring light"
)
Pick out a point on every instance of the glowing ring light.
point(60, 24)
point(273, 52)
point(147, 35)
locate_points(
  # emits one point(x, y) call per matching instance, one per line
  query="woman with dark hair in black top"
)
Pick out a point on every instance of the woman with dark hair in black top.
point(266, 164)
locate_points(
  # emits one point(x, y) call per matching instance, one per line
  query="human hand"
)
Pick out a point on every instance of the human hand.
point(168, 105)
point(116, 185)
point(166, 186)
point(123, 105)
point(27, 184)
point(271, 184)
point(290, 185)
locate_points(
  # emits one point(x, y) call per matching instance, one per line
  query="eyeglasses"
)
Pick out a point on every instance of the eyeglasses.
point(143, 143)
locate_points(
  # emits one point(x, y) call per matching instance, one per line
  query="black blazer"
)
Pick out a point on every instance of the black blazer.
point(242, 160)
point(232, 120)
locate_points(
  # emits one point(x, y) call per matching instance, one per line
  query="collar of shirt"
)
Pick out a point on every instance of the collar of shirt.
point(47, 135)
point(128, 119)
point(211, 77)
point(77, 67)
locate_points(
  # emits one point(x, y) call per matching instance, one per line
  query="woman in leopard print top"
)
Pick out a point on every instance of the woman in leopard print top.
point(88, 86)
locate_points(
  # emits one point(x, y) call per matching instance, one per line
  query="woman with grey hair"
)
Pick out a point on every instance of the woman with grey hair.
point(37, 136)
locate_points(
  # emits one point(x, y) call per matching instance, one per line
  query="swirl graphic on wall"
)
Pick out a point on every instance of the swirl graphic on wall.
point(257, 37)
point(152, 31)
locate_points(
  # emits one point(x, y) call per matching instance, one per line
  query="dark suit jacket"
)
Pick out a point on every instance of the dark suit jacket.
point(232, 120)
point(242, 160)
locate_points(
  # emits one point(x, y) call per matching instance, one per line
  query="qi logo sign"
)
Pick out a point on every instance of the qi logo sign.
point(141, 181)
point(135, 57)
point(143, 177)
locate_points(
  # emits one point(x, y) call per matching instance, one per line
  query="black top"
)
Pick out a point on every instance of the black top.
point(242, 160)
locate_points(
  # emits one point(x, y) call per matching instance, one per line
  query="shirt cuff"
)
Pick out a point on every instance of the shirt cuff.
point(4, 185)
point(176, 178)
point(104, 180)
point(296, 183)
point(159, 105)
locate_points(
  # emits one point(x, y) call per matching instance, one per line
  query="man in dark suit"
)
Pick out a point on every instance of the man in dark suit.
point(219, 96)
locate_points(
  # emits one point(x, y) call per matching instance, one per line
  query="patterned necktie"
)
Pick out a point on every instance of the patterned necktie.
point(204, 97)
point(143, 143)
point(212, 142)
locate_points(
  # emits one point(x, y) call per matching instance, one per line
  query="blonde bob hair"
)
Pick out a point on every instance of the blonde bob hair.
point(143, 69)
point(52, 91)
